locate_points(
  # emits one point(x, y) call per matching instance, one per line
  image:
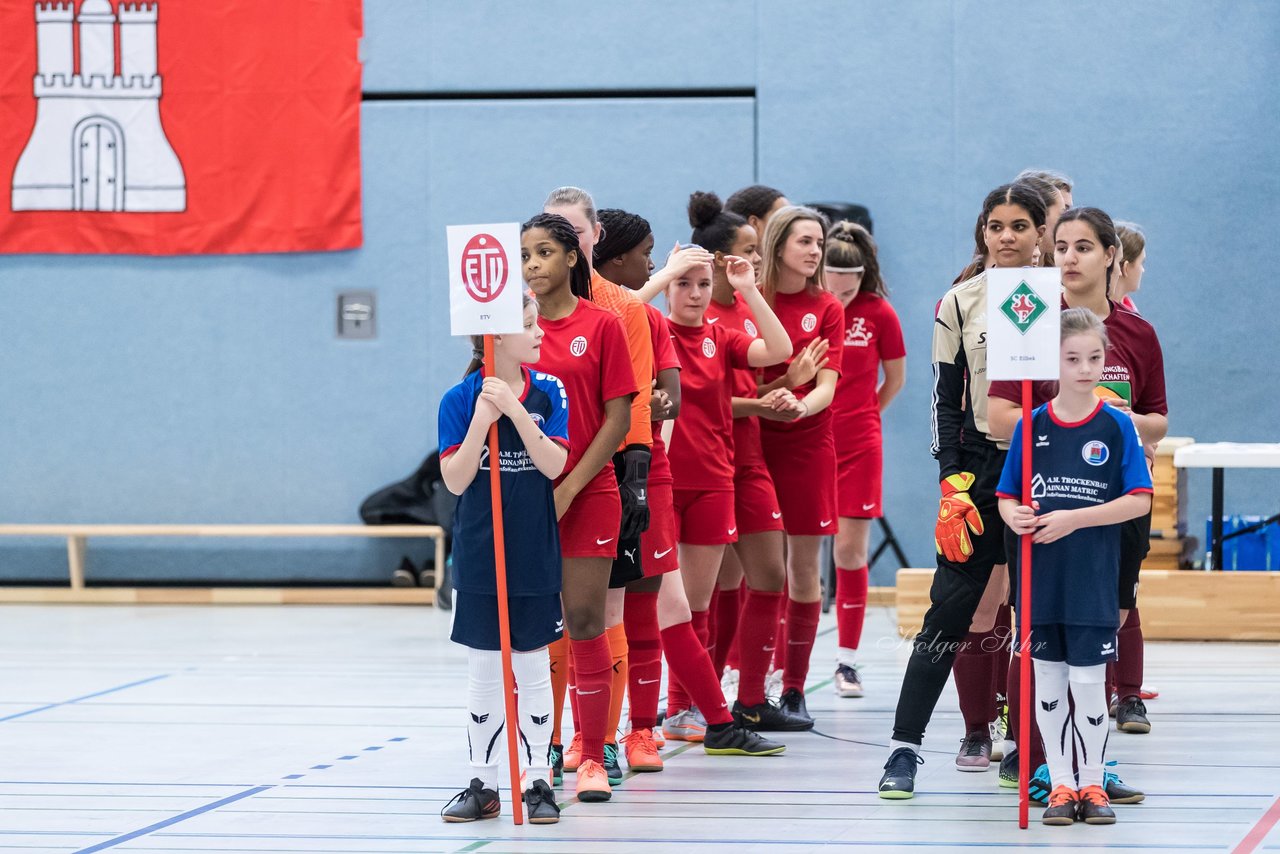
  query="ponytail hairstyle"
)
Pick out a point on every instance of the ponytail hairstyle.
point(477, 341)
point(1080, 321)
point(1133, 241)
point(1058, 180)
point(1017, 193)
point(1103, 228)
point(714, 228)
point(979, 261)
point(850, 245)
point(622, 232)
point(573, 196)
point(755, 200)
point(562, 232)
point(775, 238)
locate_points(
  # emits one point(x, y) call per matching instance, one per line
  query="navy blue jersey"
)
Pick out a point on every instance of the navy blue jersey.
point(528, 498)
point(1073, 466)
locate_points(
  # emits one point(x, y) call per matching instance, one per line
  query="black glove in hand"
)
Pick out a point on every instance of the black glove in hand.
point(633, 487)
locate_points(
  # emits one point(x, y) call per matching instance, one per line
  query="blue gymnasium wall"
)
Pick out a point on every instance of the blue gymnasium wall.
point(213, 389)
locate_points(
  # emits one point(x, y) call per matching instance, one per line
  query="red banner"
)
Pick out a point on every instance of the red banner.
point(179, 126)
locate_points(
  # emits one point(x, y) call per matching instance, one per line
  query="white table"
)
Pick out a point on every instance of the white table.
point(1225, 455)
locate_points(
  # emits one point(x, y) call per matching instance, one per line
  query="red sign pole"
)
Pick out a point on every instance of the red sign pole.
point(1024, 622)
point(504, 613)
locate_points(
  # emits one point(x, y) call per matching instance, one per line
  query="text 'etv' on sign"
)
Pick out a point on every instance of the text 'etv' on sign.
point(1023, 311)
point(485, 283)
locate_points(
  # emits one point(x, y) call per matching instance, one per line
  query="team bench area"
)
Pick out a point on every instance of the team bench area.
point(78, 537)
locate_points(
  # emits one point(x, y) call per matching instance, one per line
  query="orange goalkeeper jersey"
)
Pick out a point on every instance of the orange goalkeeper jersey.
point(627, 306)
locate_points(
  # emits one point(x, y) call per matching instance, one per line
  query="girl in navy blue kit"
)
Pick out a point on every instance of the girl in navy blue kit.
point(1088, 476)
point(532, 413)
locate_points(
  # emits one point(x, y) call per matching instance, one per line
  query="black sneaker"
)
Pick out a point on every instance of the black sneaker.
point(1064, 805)
point(612, 769)
point(737, 740)
point(1094, 806)
point(792, 702)
point(557, 764)
point(472, 804)
point(540, 804)
point(1118, 791)
point(1009, 770)
point(899, 780)
point(766, 717)
point(1131, 716)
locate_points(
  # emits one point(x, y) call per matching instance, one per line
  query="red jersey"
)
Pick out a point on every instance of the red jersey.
point(746, 430)
point(807, 316)
point(1134, 368)
point(872, 334)
point(587, 350)
point(664, 358)
point(702, 444)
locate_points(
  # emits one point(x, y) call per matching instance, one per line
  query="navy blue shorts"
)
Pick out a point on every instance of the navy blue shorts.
point(1078, 646)
point(535, 621)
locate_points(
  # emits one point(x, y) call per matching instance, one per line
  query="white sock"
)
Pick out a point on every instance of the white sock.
point(894, 744)
point(846, 656)
point(485, 714)
point(1052, 712)
point(1090, 720)
point(533, 680)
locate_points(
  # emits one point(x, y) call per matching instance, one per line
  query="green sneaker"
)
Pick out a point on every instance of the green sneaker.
point(899, 780)
point(611, 767)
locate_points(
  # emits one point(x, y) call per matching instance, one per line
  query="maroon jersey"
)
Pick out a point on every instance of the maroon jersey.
point(702, 445)
point(1134, 368)
point(872, 334)
point(587, 350)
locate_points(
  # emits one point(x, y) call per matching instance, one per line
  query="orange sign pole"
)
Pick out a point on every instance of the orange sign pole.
point(504, 612)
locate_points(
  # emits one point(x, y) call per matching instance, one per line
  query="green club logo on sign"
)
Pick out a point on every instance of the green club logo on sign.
point(1023, 307)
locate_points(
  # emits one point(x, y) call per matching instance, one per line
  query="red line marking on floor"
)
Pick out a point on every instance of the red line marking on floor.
point(1260, 830)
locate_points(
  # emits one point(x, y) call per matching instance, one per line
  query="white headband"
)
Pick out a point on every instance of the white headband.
point(845, 269)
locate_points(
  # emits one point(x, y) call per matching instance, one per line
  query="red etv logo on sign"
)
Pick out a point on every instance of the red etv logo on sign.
point(484, 268)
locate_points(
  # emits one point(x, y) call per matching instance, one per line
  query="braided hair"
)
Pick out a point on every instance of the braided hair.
point(562, 232)
point(623, 232)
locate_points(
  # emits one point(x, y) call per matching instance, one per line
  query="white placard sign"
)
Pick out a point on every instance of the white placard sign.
point(485, 282)
point(1023, 311)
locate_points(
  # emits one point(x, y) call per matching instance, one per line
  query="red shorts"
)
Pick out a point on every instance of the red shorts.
point(755, 503)
point(858, 482)
point(704, 517)
point(803, 464)
point(658, 544)
point(589, 528)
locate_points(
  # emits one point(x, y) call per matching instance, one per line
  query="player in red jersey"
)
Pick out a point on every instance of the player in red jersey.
point(872, 341)
point(801, 454)
point(657, 607)
point(1133, 379)
point(758, 552)
point(631, 465)
point(585, 347)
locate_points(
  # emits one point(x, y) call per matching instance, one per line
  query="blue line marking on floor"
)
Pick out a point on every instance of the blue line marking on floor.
point(169, 822)
point(320, 767)
point(375, 747)
point(348, 757)
point(293, 776)
point(400, 738)
point(75, 700)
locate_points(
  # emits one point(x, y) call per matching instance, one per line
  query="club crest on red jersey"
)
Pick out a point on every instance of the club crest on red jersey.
point(708, 348)
point(750, 328)
point(809, 322)
point(578, 346)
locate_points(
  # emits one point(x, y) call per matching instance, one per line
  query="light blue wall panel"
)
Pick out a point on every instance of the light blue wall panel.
point(214, 389)
point(497, 45)
point(1167, 113)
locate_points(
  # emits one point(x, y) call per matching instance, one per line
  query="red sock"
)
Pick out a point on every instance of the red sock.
point(678, 697)
point(756, 638)
point(802, 628)
point(689, 661)
point(728, 612)
point(573, 692)
point(1015, 694)
point(974, 679)
point(713, 614)
point(593, 666)
point(851, 606)
point(1129, 658)
point(780, 647)
point(640, 617)
point(559, 652)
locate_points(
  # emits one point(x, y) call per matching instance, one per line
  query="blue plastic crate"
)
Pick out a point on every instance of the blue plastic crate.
point(1257, 550)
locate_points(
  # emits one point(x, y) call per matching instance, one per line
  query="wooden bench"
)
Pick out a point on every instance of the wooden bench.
point(78, 536)
point(1176, 604)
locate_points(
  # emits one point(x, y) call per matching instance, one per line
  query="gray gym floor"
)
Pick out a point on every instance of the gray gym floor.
point(336, 729)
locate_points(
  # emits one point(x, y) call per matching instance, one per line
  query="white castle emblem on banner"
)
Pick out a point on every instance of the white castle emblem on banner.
point(98, 144)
